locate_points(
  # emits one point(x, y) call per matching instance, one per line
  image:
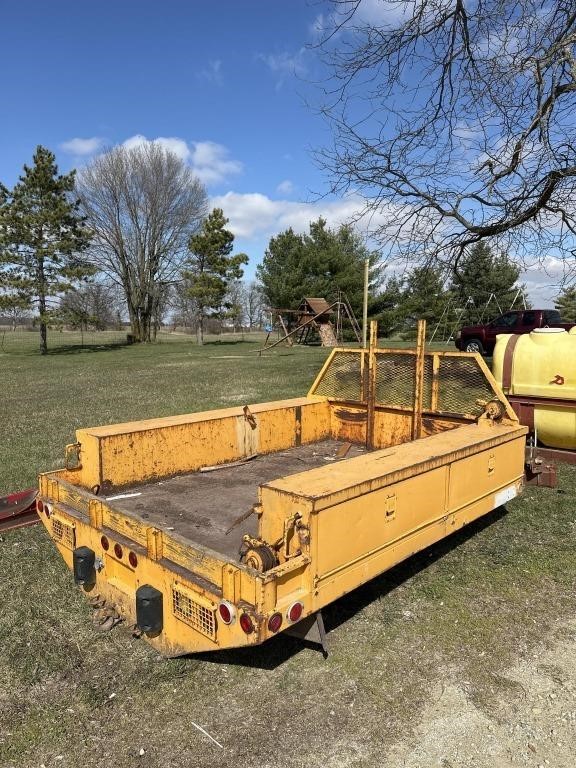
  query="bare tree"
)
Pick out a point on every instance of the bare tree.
point(234, 304)
point(455, 120)
point(253, 297)
point(183, 306)
point(97, 305)
point(142, 204)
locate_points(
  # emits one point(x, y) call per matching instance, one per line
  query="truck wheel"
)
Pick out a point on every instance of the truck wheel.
point(474, 345)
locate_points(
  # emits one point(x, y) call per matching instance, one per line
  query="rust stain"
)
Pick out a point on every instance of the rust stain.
point(354, 416)
point(298, 425)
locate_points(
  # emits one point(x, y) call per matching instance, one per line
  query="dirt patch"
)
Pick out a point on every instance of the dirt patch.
point(532, 723)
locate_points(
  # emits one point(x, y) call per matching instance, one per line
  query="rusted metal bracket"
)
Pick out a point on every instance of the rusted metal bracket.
point(538, 470)
point(72, 456)
point(249, 416)
point(311, 629)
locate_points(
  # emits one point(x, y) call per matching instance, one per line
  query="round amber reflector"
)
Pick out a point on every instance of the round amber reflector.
point(246, 624)
point(105, 543)
point(118, 551)
point(295, 612)
point(275, 622)
point(132, 559)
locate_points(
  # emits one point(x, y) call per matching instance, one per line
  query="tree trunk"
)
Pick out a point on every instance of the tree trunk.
point(42, 307)
point(200, 330)
point(140, 323)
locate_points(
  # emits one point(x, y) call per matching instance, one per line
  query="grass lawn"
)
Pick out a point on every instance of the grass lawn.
point(465, 610)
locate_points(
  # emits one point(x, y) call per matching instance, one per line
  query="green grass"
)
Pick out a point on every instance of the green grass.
point(462, 611)
point(47, 398)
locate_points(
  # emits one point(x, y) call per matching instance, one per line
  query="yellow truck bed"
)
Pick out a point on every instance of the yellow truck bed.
point(389, 452)
point(207, 507)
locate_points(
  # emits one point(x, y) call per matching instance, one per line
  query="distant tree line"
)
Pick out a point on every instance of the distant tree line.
point(131, 237)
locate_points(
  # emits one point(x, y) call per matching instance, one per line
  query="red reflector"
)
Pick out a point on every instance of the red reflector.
point(225, 613)
point(118, 551)
point(105, 543)
point(39, 506)
point(132, 559)
point(295, 612)
point(275, 622)
point(246, 624)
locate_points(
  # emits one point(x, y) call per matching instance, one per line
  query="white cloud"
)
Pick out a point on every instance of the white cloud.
point(178, 146)
point(546, 279)
point(321, 25)
point(210, 161)
point(285, 187)
point(212, 73)
point(81, 147)
point(255, 216)
point(284, 65)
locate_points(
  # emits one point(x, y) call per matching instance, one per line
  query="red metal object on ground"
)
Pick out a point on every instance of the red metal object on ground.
point(18, 509)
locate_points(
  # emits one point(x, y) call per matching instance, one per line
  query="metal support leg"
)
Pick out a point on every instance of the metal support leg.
point(311, 629)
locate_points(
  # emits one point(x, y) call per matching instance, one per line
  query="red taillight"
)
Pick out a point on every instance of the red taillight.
point(246, 624)
point(118, 551)
point(105, 543)
point(294, 613)
point(275, 622)
point(132, 559)
point(40, 506)
point(227, 612)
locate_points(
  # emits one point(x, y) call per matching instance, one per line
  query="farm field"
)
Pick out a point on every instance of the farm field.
point(462, 657)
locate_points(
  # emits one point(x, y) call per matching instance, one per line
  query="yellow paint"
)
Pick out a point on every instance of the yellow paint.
point(120, 454)
point(334, 527)
point(544, 366)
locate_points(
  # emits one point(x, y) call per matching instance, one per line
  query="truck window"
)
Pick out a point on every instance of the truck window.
point(550, 317)
point(507, 320)
point(530, 318)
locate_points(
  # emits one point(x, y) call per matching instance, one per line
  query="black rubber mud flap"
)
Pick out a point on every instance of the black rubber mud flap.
point(83, 561)
point(149, 613)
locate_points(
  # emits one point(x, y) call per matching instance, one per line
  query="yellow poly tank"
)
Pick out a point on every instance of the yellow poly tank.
point(542, 365)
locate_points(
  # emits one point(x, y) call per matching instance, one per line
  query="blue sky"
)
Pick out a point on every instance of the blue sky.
point(223, 84)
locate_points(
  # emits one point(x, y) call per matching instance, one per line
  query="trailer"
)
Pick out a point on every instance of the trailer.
point(18, 510)
point(223, 528)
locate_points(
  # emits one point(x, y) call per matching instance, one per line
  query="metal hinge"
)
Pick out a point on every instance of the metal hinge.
point(72, 456)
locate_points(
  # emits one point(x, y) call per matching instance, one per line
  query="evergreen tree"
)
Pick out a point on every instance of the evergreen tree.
point(480, 275)
point(387, 307)
point(283, 270)
point(210, 268)
point(566, 304)
point(319, 263)
point(424, 298)
point(42, 239)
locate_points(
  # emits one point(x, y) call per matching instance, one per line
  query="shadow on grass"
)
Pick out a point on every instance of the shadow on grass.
point(228, 342)
point(78, 348)
point(278, 650)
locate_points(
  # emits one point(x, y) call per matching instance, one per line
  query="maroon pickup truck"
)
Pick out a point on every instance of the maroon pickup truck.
point(482, 338)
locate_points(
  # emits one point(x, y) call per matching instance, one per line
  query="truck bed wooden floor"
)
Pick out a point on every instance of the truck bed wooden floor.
point(202, 506)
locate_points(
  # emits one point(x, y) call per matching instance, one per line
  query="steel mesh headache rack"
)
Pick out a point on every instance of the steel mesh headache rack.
point(305, 499)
